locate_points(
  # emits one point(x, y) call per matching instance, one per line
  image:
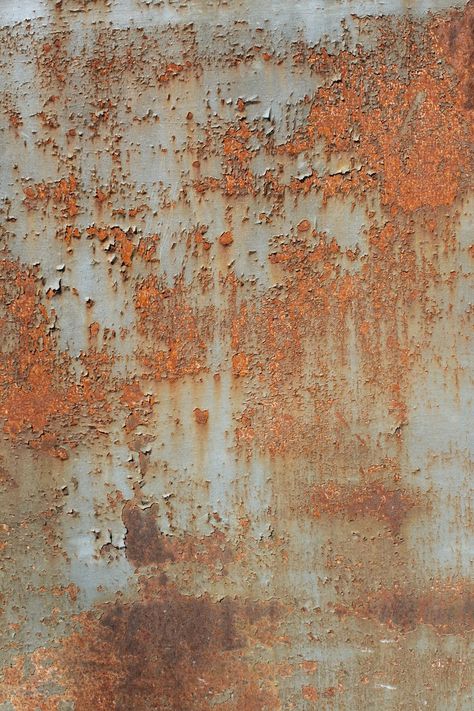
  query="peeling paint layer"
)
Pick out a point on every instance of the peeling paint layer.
point(235, 393)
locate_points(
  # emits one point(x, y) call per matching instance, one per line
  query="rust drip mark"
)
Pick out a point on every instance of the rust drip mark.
point(319, 294)
point(167, 651)
point(446, 606)
point(144, 543)
point(373, 499)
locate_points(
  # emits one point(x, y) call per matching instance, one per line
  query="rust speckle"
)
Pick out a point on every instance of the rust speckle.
point(201, 416)
point(303, 226)
point(226, 239)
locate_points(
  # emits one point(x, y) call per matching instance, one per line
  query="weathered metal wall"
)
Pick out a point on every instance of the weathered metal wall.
point(236, 240)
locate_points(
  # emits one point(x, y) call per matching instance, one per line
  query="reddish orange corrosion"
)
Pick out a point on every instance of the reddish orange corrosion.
point(201, 416)
point(165, 316)
point(240, 310)
point(63, 193)
point(226, 239)
point(125, 245)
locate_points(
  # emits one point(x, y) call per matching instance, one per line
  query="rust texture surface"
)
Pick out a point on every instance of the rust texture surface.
point(236, 243)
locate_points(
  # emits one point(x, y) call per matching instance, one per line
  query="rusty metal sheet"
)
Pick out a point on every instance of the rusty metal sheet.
point(235, 369)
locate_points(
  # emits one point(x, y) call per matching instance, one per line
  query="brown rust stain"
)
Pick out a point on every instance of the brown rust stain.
point(374, 500)
point(446, 606)
point(144, 544)
point(170, 651)
point(456, 37)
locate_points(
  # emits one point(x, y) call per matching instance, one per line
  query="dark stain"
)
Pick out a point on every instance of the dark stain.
point(144, 543)
point(446, 606)
point(170, 652)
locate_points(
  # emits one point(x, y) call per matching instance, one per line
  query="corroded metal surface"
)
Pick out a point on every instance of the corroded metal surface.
point(236, 242)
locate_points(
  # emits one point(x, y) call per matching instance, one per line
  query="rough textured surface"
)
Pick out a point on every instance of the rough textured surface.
point(235, 392)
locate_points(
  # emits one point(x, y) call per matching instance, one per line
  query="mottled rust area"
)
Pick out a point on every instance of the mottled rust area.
point(448, 607)
point(168, 652)
point(457, 42)
point(388, 505)
point(236, 346)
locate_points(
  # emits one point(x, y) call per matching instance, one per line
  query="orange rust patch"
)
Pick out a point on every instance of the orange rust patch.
point(201, 416)
point(238, 178)
point(310, 693)
point(64, 194)
point(39, 393)
point(166, 317)
point(119, 238)
point(412, 134)
point(226, 239)
point(173, 70)
point(303, 226)
point(240, 364)
point(71, 233)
